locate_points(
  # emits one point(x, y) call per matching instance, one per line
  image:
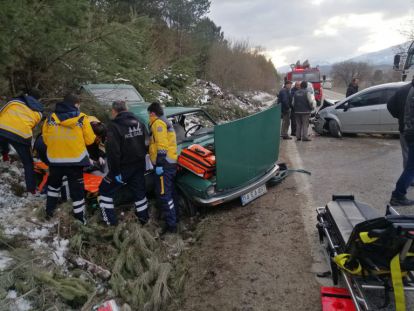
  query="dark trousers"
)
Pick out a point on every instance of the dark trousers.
point(292, 123)
point(133, 177)
point(74, 175)
point(302, 125)
point(164, 188)
point(25, 153)
point(285, 123)
point(407, 175)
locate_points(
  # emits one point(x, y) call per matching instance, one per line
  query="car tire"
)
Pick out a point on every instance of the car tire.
point(185, 208)
point(334, 129)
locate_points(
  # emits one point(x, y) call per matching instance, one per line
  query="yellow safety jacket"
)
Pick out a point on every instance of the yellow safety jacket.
point(17, 121)
point(163, 143)
point(66, 140)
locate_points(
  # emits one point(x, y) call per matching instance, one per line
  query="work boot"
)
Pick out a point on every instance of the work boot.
point(166, 229)
point(287, 137)
point(404, 201)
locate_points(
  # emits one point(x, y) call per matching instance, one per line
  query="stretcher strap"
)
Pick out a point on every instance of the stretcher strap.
point(342, 259)
point(397, 284)
point(366, 239)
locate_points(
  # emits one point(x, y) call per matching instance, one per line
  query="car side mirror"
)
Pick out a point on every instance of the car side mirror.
point(346, 107)
point(397, 59)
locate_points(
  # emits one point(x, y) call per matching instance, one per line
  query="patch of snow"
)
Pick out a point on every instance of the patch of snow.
point(5, 260)
point(60, 248)
point(19, 304)
point(38, 233)
point(164, 97)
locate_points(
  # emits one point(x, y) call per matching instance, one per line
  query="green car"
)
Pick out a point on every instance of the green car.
point(246, 149)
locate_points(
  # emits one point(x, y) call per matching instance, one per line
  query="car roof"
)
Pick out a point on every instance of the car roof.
point(107, 86)
point(391, 85)
point(141, 111)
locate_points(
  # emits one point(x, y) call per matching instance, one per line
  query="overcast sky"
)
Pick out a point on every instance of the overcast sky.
point(320, 30)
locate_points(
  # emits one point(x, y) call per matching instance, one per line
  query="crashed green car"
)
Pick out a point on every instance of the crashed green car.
point(246, 150)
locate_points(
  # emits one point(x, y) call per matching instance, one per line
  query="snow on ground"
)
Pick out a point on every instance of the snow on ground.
point(5, 260)
point(18, 304)
point(17, 215)
point(206, 92)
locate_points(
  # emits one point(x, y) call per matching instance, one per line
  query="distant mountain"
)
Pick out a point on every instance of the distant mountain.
point(382, 57)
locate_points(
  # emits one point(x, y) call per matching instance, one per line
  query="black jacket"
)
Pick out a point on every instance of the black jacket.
point(301, 102)
point(352, 89)
point(125, 143)
point(396, 103)
point(285, 100)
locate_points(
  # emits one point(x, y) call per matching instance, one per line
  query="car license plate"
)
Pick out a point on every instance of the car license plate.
point(254, 194)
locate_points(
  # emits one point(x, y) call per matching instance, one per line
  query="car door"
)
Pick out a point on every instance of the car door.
point(389, 124)
point(361, 113)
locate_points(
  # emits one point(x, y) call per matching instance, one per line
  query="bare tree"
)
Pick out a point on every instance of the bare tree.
point(344, 72)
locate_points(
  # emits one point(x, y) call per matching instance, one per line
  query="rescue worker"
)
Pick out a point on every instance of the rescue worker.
point(125, 151)
point(17, 120)
point(163, 155)
point(303, 103)
point(97, 150)
point(66, 134)
point(285, 100)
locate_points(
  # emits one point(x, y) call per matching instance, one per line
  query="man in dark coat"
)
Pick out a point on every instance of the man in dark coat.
point(125, 150)
point(398, 197)
point(396, 106)
point(285, 100)
point(292, 112)
point(352, 87)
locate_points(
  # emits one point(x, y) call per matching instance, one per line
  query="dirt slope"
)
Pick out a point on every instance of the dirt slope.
point(254, 258)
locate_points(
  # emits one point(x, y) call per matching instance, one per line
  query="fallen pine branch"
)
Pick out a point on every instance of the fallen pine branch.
point(84, 264)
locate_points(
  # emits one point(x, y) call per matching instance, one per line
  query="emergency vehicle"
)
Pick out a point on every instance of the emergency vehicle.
point(304, 72)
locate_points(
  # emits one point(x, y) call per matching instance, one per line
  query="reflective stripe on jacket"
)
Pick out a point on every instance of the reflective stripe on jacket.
point(17, 121)
point(66, 140)
point(163, 142)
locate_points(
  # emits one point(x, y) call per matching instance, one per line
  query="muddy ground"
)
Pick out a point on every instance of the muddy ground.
point(254, 257)
point(265, 256)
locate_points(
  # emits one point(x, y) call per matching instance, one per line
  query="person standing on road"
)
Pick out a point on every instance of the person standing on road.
point(66, 133)
point(285, 100)
point(398, 197)
point(352, 87)
point(125, 150)
point(17, 120)
point(303, 103)
point(395, 106)
point(292, 112)
point(163, 155)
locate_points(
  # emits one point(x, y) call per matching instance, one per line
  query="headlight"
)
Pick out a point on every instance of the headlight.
point(211, 190)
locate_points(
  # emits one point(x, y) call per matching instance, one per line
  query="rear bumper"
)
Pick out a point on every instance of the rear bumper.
point(220, 198)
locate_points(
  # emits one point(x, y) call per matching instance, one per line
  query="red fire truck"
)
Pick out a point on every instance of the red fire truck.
point(304, 72)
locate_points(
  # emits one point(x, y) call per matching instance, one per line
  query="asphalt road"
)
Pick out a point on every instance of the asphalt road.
point(366, 166)
point(332, 95)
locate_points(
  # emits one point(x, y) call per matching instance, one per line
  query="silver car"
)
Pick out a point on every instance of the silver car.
point(362, 112)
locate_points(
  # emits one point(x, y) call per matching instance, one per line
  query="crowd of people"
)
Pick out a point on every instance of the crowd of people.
point(297, 103)
point(71, 142)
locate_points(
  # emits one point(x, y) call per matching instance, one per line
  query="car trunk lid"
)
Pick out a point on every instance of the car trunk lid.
point(246, 148)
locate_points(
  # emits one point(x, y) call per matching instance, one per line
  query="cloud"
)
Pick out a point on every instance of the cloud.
point(323, 30)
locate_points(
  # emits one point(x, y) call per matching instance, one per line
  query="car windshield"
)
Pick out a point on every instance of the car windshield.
point(306, 76)
point(109, 95)
point(190, 125)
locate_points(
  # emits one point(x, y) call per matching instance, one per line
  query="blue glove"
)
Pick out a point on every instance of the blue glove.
point(159, 170)
point(118, 179)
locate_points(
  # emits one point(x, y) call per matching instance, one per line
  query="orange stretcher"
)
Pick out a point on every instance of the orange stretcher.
point(91, 181)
